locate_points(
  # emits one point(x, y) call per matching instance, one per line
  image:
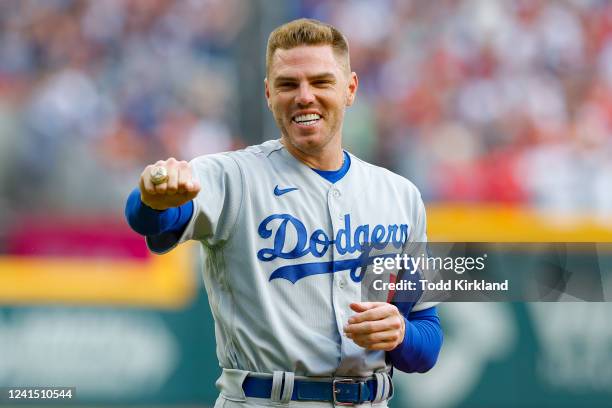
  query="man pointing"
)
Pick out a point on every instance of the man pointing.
point(285, 227)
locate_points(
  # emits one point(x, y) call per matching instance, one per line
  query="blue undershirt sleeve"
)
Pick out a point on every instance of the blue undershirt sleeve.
point(422, 342)
point(147, 221)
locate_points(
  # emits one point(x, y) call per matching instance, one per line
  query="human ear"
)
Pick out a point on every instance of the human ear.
point(267, 92)
point(352, 88)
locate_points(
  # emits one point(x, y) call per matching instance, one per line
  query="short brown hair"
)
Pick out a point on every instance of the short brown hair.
point(306, 31)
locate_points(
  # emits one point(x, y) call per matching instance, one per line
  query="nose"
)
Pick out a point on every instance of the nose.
point(305, 95)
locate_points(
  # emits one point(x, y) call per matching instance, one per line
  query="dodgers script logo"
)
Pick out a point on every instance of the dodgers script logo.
point(363, 239)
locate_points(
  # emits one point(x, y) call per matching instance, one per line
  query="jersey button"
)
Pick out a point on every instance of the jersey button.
point(342, 283)
point(336, 193)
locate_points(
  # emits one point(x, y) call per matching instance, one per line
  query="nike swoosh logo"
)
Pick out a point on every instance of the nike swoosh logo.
point(281, 191)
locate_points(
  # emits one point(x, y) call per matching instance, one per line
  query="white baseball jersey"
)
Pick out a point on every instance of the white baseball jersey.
point(280, 246)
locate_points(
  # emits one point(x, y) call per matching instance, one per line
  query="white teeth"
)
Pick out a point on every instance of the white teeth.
point(307, 119)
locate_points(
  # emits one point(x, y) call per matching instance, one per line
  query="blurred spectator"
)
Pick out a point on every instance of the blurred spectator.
point(473, 100)
point(488, 101)
point(91, 91)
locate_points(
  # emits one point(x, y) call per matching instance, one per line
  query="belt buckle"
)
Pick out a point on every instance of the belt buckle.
point(336, 391)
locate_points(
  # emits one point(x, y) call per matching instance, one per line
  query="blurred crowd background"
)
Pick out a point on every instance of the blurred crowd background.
point(473, 100)
point(487, 100)
point(91, 91)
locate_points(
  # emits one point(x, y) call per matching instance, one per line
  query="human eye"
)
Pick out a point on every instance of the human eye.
point(322, 83)
point(285, 85)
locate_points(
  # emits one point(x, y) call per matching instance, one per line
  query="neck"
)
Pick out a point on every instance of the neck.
point(329, 157)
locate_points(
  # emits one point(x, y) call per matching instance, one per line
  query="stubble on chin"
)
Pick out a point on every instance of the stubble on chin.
point(307, 145)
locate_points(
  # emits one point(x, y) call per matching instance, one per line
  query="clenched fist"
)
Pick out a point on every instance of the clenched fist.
point(179, 188)
point(376, 326)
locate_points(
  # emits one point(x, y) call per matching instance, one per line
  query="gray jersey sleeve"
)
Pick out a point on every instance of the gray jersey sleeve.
point(418, 242)
point(419, 232)
point(216, 207)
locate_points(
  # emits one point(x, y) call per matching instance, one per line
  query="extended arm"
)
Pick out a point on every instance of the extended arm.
point(149, 222)
point(163, 211)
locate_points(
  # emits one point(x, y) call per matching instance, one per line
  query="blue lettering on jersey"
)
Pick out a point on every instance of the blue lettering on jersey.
point(363, 239)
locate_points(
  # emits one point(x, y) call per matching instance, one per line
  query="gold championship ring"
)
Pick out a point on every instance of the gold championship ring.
point(159, 175)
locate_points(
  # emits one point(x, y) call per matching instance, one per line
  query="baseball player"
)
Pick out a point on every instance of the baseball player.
point(285, 228)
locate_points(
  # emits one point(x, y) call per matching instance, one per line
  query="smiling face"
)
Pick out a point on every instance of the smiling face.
point(308, 89)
